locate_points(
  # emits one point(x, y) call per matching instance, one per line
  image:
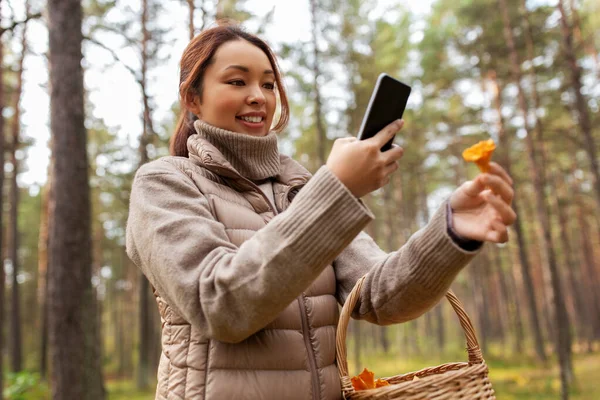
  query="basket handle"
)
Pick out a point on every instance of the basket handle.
point(473, 349)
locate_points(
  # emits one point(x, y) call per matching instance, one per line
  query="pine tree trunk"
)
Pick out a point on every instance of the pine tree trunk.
point(581, 108)
point(69, 250)
point(515, 305)
point(573, 281)
point(94, 380)
point(357, 344)
point(16, 335)
point(2, 274)
point(503, 293)
point(321, 134)
point(191, 10)
point(13, 239)
point(42, 289)
point(440, 334)
point(481, 301)
point(144, 326)
point(590, 272)
point(518, 227)
point(563, 339)
point(588, 43)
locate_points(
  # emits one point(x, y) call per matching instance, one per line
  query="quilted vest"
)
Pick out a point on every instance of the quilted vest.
point(293, 357)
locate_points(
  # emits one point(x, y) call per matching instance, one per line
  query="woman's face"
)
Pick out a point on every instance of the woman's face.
point(238, 92)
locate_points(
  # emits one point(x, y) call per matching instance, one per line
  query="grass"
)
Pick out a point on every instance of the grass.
point(543, 383)
point(121, 390)
point(512, 378)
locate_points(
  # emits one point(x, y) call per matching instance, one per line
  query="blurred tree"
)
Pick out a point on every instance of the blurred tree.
point(2, 273)
point(537, 172)
point(42, 288)
point(69, 250)
point(13, 237)
point(191, 16)
point(316, 76)
point(580, 106)
point(480, 41)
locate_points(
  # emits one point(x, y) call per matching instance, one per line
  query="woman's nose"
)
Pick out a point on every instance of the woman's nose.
point(256, 96)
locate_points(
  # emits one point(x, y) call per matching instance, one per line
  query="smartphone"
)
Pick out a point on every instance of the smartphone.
point(387, 104)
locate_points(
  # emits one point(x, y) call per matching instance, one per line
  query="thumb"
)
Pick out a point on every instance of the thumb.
point(474, 187)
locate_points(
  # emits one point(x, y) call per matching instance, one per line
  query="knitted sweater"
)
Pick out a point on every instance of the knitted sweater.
point(247, 289)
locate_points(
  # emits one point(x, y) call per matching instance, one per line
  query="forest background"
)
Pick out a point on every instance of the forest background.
point(525, 73)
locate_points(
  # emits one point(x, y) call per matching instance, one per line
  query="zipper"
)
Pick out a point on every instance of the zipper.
point(261, 193)
point(311, 353)
point(287, 201)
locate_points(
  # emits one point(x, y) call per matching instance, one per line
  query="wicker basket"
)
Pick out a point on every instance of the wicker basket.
point(460, 380)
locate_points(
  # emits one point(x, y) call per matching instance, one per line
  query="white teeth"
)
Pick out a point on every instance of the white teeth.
point(252, 119)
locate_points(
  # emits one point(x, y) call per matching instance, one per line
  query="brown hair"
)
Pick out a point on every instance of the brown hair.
point(196, 57)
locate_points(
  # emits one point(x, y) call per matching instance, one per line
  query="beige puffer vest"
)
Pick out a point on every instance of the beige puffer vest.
point(291, 358)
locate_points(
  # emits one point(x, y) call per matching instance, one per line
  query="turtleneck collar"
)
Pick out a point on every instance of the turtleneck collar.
point(254, 157)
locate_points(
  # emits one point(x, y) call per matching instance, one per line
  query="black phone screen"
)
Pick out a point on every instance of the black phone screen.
point(387, 104)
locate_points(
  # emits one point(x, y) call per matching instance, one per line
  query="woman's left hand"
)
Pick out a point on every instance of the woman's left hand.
point(482, 207)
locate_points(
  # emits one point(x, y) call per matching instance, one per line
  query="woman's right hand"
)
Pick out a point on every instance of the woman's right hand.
point(361, 165)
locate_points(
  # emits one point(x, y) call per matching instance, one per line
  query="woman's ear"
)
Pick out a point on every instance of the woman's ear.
point(192, 103)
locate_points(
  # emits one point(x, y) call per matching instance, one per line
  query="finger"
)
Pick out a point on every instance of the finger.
point(390, 168)
point(507, 214)
point(495, 168)
point(393, 154)
point(499, 186)
point(387, 133)
point(497, 232)
point(473, 188)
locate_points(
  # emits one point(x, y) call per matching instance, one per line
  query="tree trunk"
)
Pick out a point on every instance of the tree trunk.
point(588, 43)
point(42, 289)
point(581, 108)
point(16, 336)
point(563, 339)
point(321, 134)
point(13, 239)
point(481, 300)
point(503, 293)
point(69, 250)
point(515, 305)
point(94, 381)
point(144, 325)
point(357, 344)
point(2, 274)
point(521, 241)
point(573, 280)
point(590, 273)
point(191, 10)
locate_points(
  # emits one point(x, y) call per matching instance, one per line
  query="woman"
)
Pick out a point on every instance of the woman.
point(249, 255)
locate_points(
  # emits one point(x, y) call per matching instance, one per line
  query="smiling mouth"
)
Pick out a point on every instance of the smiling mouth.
point(253, 119)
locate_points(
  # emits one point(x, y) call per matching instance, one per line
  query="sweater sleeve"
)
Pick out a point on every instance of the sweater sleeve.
point(231, 292)
point(404, 284)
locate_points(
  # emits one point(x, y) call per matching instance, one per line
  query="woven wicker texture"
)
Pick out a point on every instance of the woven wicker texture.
point(459, 380)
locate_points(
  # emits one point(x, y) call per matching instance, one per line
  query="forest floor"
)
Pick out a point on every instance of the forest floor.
point(512, 379)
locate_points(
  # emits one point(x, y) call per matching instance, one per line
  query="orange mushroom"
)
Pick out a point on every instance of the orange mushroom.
point(366, 380)
point(480, 154)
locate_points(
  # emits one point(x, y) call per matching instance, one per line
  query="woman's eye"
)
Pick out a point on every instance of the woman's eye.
point(269, 86)
point(237, 82)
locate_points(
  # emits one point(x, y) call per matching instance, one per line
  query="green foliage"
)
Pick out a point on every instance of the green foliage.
point(25, 386)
